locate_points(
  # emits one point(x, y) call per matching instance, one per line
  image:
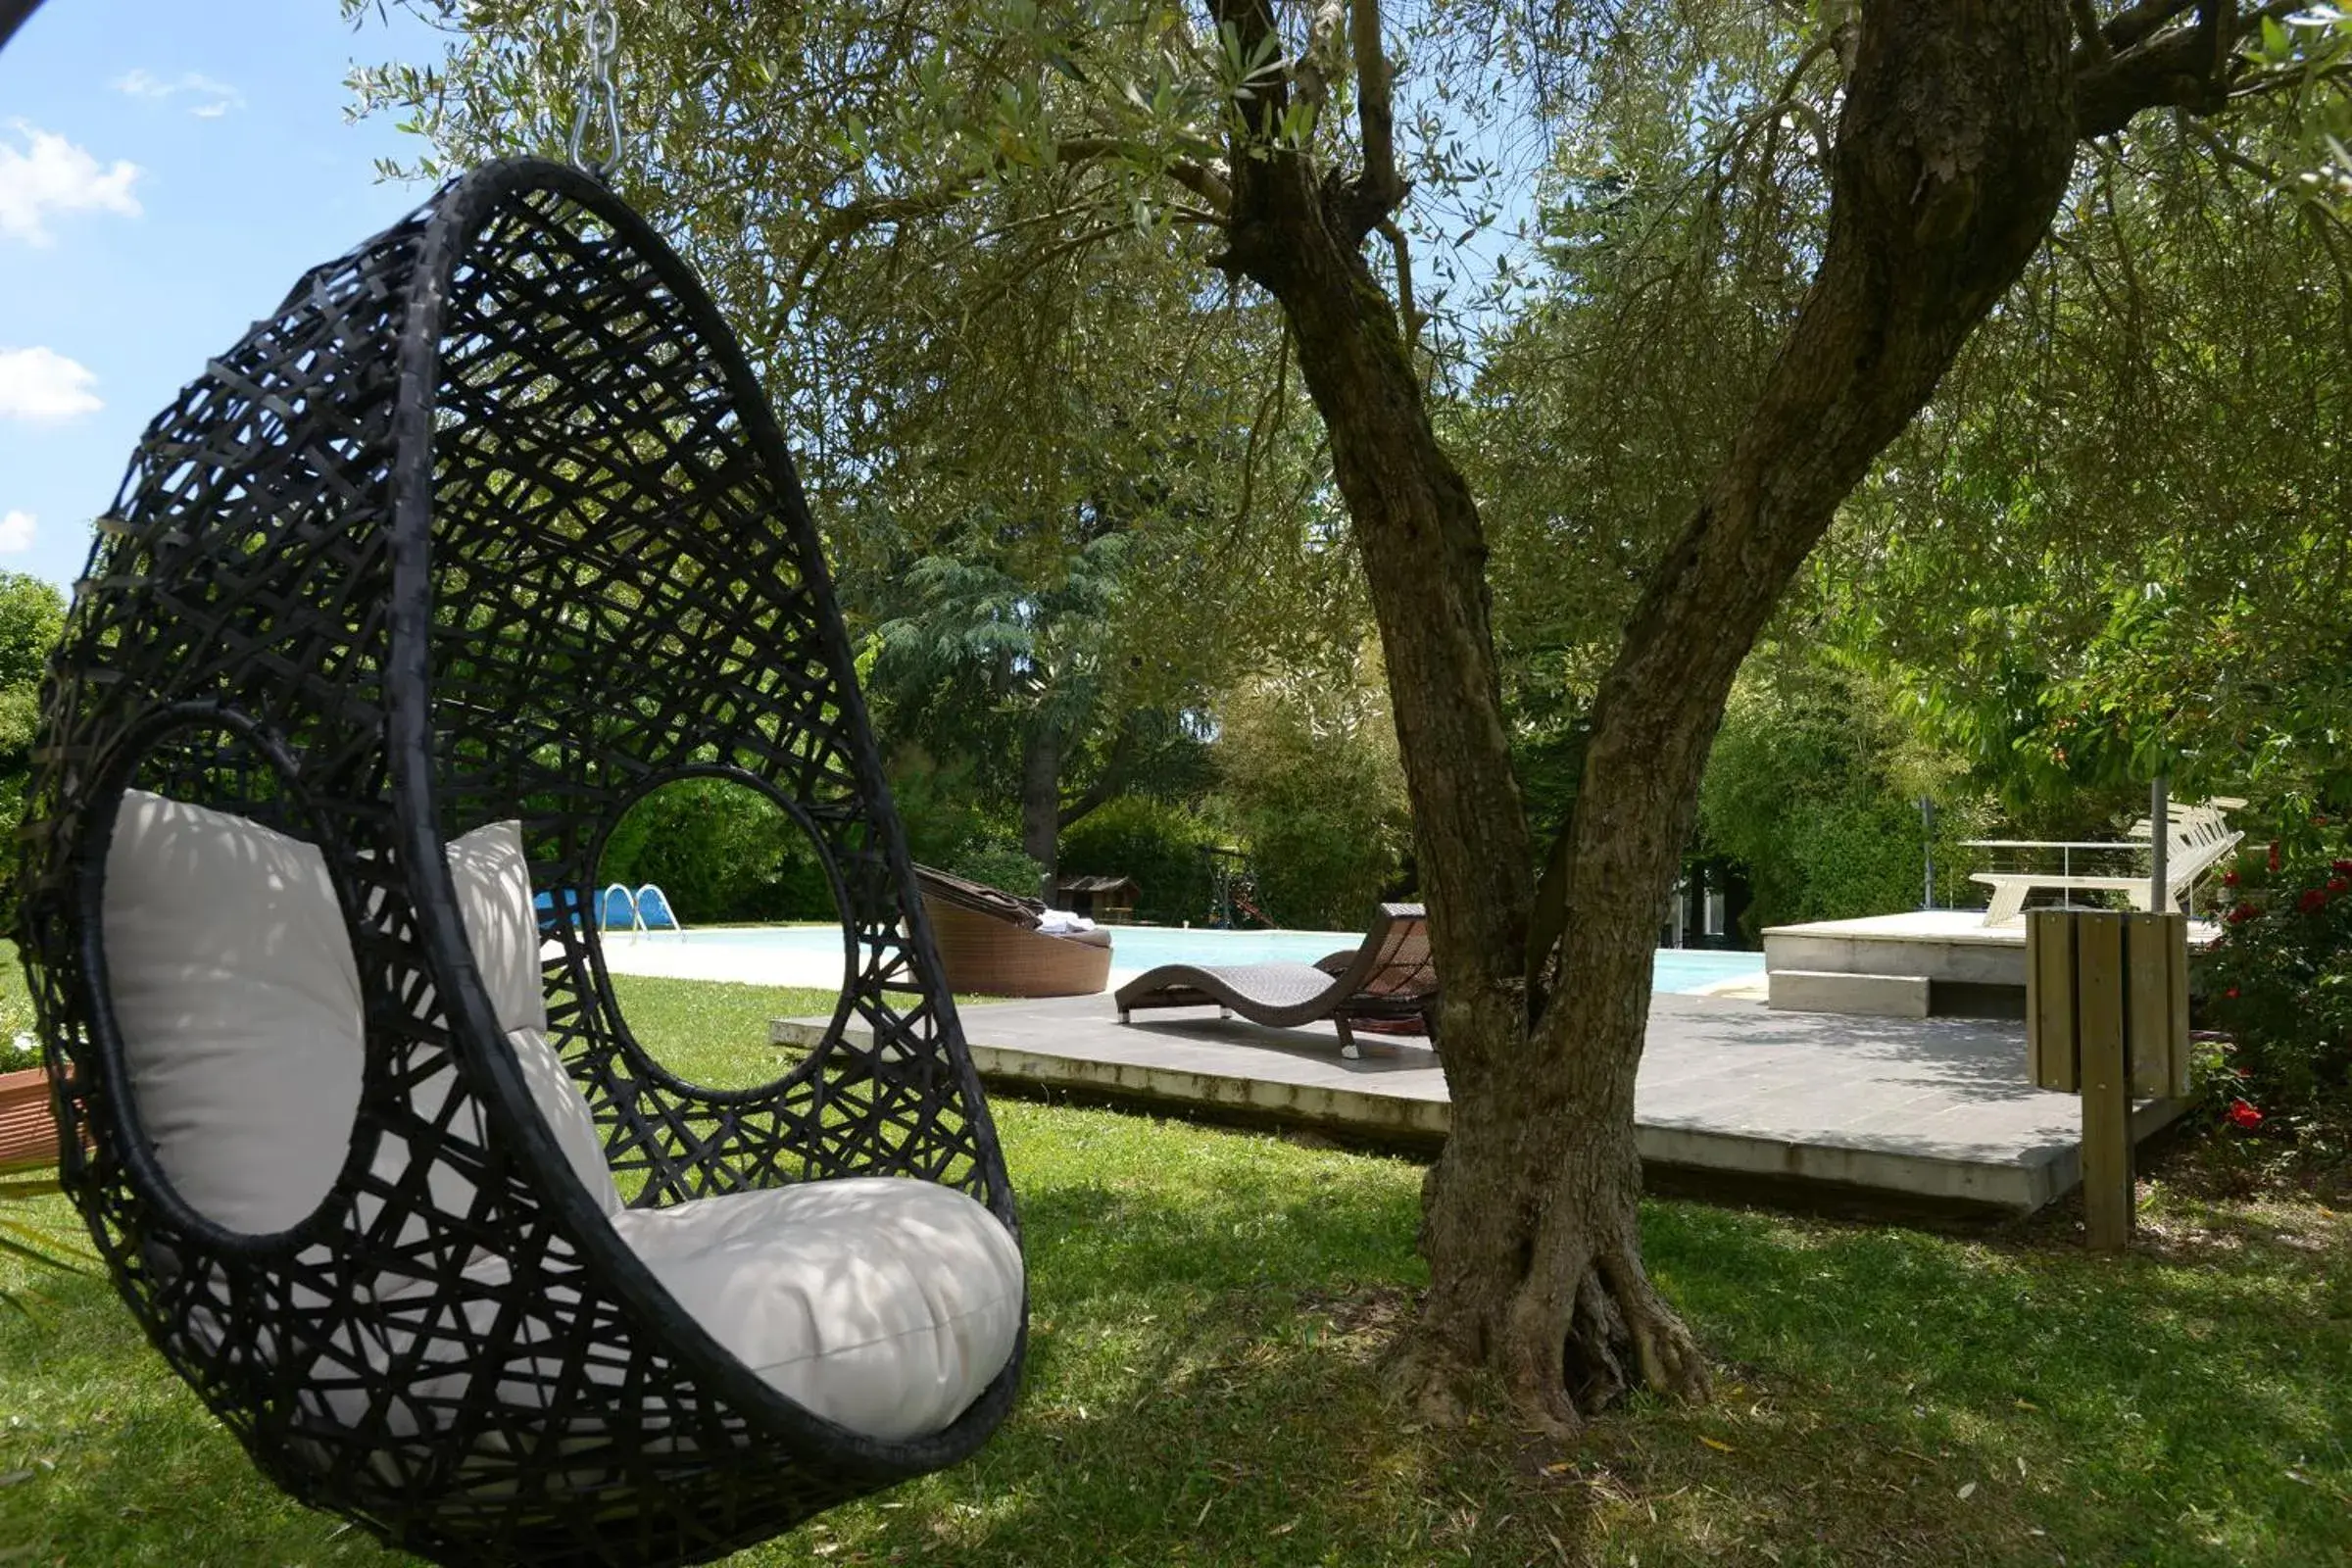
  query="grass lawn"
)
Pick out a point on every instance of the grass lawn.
point(1204, 1387)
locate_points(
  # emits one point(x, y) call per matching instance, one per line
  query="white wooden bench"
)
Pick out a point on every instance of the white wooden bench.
point(2197, 838)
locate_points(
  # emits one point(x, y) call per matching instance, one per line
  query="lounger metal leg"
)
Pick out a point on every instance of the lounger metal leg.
point(1123, 1019)
point(1346, 1039)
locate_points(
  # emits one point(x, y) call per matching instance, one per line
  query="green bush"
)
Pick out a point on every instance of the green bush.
point(1153, 841)
point(1813, 787)
point(995, 861)
point(2280, 984)
point(1313, 784)
point(33, 616)
point(721, 852)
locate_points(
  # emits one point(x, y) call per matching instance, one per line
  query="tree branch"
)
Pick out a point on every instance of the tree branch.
point(1205, 181)
point(1108, 782)
point(1404, 283)
point(2157, 64)
point(1270, 410)
point(1375, 111)
point(1318, 64)
point(875, 212)
point(2087, 28)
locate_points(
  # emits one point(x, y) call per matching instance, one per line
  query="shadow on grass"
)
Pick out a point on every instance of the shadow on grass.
point(1208, 1315)
point(2151, 1408)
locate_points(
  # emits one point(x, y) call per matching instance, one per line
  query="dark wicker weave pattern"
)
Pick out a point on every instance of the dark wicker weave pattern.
point(489, 520)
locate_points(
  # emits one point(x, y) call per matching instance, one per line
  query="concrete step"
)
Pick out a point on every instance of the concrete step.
point(1880, 996)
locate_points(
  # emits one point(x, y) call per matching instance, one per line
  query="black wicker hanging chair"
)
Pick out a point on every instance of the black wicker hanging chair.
point(488, 523)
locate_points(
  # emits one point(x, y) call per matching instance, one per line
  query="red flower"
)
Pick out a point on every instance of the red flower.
point(2313, 901)
point(2241, 915)
point(2231, 994)
point(2340, 867)
point(2273, 854)
point(2244, 1116)
point(2338, 884)
point(2229, 879)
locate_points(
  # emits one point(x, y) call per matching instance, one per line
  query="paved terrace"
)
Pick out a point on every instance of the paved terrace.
point(1925, 1112)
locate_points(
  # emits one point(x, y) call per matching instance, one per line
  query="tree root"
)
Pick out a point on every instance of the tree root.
point(1556, 1367)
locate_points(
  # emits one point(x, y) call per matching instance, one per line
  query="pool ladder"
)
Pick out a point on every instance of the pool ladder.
point(635, 902)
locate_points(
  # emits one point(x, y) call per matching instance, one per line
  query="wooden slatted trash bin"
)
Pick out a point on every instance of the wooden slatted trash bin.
point(2107, 1018)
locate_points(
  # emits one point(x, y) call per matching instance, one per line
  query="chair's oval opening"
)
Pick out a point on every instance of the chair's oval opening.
point(746, 894)
point(226, 978)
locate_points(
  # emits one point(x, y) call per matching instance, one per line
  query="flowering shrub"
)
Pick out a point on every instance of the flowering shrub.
point(2280, 984)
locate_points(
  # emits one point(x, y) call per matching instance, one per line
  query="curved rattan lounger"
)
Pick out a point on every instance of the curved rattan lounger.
point(989, 944)
point(1387, 982)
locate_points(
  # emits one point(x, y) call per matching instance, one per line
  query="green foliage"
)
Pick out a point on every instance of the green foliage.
point(1313, 784)
point(2279, 983)
point(950, 826)
point(2117, 545)
point(33, 616)
point(997, 862)
point(939, 805)
point(721, 852)
point(1158, 843)
point(1814, 787)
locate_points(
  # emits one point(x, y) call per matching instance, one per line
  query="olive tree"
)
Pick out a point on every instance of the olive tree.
point(1262, 143)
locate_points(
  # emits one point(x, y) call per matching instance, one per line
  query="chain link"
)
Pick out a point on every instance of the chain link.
point(597, 94)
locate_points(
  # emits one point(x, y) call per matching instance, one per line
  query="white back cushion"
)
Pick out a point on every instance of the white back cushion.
point(238, 1002)
point(565, 1112)
point(494, 896)
point(493, 880)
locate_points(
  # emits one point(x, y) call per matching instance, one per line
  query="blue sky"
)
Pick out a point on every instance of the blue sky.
point(167, 169)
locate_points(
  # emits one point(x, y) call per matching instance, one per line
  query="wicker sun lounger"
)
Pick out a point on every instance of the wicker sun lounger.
point(1388, 984)
point(990, 945)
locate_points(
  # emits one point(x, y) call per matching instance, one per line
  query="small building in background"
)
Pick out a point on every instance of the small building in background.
point(1106, 900)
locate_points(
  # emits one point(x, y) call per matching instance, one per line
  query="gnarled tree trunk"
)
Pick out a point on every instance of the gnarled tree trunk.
point(1952, 150)
point(1041, 798)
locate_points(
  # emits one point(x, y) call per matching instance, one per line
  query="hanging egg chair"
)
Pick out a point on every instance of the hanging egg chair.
point(483, 534)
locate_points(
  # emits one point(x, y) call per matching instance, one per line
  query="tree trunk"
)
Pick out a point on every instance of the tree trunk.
point(1953, 147)
point(1041, 798)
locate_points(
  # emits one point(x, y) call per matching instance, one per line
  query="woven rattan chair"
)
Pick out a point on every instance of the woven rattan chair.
point(990, 943)
point(1388, 985)
point(487, 523)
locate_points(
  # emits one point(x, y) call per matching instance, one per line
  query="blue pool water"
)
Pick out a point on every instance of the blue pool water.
point(1145, 947)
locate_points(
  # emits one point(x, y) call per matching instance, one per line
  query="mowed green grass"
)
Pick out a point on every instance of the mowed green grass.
point(1205, 1386)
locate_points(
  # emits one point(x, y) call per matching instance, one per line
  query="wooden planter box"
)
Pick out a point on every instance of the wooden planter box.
point(27, 1126)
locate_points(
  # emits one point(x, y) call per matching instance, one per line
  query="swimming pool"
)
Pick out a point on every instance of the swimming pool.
point(1136, 948)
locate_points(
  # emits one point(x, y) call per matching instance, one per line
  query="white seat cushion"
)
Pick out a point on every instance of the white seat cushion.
point(884, 1304)
point(238, 1002)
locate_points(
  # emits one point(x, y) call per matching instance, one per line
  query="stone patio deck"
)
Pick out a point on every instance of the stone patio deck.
point(1909, 1112)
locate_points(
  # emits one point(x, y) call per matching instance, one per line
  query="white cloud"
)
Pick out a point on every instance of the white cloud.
point(50, 174)
point(43, 386)
point(16, 532)
point(213, 98)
